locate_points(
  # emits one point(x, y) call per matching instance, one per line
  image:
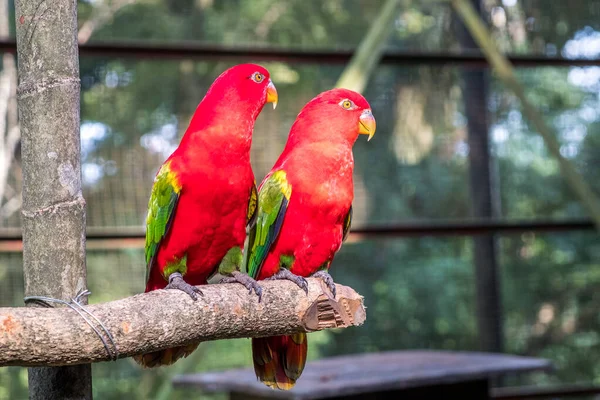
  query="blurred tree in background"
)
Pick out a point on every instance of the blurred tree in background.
point(419, 291)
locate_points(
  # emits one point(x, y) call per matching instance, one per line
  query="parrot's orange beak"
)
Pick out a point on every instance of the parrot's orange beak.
point(367, 124)
point(272, 94)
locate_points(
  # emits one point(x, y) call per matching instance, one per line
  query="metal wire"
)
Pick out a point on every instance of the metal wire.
point(75, 304)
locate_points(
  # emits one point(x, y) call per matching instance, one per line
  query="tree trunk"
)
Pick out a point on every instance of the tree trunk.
point(53, 206)
point(166, 318)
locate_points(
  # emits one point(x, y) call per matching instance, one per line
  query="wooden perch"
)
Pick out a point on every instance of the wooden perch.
point(166, 318)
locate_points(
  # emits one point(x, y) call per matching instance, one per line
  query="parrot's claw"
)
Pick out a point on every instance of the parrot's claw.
point(324, 275)
point(176, 282)
point(251, 284)
point(285, 274)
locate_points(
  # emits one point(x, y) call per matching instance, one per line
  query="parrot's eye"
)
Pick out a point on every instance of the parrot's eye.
point(347, 104)
point(257, 77)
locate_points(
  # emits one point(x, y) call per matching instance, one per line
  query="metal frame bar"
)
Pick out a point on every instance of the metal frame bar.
point(186, 50)
point(551, 392)
point(134, 236)
point(408, 229)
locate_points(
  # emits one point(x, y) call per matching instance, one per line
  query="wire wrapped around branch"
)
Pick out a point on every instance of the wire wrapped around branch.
point(166, 318)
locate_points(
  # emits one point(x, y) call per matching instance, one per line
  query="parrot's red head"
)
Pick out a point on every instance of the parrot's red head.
point(244, 87)
point(335, 115)
point(232, 104)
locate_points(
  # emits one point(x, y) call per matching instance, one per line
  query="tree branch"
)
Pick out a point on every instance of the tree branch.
point(11, 206)
point(276, 10)
point(504, 69)
point(5, 83)
point(166, 318)
point(103, 14)
point(366, 57)
point(10, 133)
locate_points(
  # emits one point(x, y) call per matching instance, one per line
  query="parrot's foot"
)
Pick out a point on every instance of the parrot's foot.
point(324, 275)
point(251, 284)
point(176, 282)
point(285, 274)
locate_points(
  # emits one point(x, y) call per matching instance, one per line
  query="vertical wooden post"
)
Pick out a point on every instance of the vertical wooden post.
point(484, 199)
point(53, 206)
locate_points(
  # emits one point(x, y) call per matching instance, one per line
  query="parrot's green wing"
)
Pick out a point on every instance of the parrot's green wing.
point(347, 223)
point(273, 199)
point(161, 210)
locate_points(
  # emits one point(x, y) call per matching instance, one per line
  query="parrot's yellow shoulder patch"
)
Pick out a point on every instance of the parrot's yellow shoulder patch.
point(167, 177)
point(280, 178)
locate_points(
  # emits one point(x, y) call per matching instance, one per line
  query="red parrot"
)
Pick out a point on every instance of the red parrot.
point(205, 194)
point(304, 214)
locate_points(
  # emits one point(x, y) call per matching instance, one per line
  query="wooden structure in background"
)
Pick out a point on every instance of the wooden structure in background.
point(392, 375)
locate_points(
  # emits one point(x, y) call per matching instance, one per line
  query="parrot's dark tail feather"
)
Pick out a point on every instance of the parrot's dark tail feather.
point(165, 357)
point(280, 360)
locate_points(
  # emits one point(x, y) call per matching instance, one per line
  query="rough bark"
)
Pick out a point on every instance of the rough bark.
point(53, 206)
point(166, 318)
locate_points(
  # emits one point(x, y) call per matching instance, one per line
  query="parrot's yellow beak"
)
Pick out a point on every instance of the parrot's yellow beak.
point(367, 124)
point(272, 94)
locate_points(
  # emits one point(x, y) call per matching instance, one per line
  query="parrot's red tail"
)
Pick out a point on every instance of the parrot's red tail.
point(279, 360)
point(165, 357)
